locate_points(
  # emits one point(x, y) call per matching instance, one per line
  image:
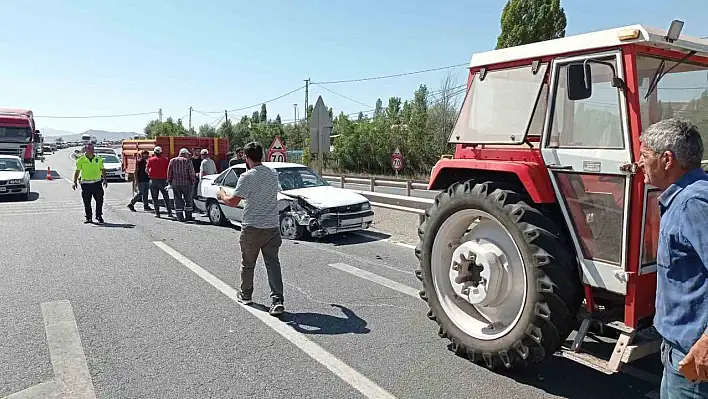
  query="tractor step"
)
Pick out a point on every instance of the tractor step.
point(630, 346)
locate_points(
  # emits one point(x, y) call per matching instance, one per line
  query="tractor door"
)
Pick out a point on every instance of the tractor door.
point(586, 148)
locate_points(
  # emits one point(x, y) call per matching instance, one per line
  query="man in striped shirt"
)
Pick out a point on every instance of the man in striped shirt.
point(181, 175)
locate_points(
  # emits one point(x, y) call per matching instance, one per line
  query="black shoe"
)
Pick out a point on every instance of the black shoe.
point(147, 209)
point(100, 220)
point(131, 207)
point(244, 298)
point(88, 220)
point(277, 308)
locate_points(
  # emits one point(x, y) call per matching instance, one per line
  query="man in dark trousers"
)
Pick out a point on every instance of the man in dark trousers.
point(157, 171)
point(141, 181)
point(182, 177)
point(260, 228)
point(93, 180)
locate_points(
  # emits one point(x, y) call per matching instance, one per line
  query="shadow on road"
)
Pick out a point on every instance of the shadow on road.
point(116, 225)
point(566, 378)
point(354, 238)
point(41, 174)
point(323, 324)
point(16, 198)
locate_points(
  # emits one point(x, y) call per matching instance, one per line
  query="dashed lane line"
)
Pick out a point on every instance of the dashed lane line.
point(345, 372)
point(394, 285)
point(386, 240)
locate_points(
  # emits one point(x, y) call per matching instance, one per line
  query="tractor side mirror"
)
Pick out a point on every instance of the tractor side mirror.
point(579, 81)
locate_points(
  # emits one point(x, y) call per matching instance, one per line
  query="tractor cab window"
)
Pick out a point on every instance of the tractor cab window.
point(594, 122)
point(500, 106)
point(681, 93)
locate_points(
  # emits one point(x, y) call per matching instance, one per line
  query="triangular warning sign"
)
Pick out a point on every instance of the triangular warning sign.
point(396, 151)
point(277, 144)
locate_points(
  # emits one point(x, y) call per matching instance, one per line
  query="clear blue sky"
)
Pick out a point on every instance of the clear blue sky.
point(80, 57)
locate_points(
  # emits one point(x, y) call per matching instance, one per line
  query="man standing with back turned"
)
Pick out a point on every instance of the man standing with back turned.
point(260, 229)
point(93, 180)
point(180, 174)
point(670, 156)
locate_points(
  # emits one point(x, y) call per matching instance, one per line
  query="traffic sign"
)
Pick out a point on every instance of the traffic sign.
point(320, 128)
point(397, 160)
point(277, 151)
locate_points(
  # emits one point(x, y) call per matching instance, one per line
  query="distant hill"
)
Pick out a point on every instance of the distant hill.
point(100, 135)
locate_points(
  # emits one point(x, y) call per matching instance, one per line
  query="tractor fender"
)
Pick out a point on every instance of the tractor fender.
point(531, 175)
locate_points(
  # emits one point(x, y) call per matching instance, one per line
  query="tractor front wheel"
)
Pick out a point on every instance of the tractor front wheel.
point(496, 277)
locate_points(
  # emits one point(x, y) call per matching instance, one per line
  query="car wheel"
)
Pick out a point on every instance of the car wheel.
point(216, 216)
point(26, 196)
point(289, 228)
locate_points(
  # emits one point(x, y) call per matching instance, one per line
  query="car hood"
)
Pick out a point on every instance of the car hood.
point(327, 196)
point(10, 175)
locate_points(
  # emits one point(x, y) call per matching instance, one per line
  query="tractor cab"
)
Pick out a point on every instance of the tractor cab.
point(546, 225)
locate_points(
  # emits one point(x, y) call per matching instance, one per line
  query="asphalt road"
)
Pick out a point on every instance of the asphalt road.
point(148, 303)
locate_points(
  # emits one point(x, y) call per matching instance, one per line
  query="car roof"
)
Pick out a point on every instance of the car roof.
point(275, 165)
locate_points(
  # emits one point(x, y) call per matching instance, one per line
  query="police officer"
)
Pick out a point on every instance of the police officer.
point(93, 180)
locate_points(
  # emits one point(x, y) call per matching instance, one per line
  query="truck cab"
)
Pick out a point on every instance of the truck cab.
point(18, 136)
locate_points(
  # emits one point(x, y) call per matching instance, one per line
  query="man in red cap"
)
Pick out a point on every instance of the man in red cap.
point(157, 170)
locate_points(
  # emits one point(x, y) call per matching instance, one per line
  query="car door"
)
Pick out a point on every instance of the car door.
point(229, 185)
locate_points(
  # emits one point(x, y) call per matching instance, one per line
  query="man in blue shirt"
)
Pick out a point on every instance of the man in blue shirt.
point(670, 156)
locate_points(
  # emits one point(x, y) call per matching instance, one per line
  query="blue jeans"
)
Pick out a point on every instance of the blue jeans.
point(673, 384)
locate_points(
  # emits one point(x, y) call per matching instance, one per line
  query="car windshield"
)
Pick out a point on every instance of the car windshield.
point(302, 177)
point(104, 151)
point(10, 165)
point(109, 158)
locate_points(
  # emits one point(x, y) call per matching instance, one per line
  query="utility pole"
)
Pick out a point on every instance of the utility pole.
point(307, 97)
point(190, 119)
point(226, 116)
point(295, 107)
point(160, 113)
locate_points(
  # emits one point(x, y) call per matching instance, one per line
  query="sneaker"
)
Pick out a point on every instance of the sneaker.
point(131, 207)
point(277, 308)
point(100, 220)
point(244, 298)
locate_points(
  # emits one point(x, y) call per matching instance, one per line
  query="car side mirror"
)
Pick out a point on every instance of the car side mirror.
point(579, 81)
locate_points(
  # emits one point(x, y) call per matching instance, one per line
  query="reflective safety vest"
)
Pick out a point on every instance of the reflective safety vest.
point(91, 169)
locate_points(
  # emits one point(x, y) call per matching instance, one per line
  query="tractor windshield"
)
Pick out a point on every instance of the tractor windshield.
point(682, 92)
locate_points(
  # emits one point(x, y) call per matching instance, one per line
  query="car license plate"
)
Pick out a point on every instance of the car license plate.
point(3, 189)
point(351, 222)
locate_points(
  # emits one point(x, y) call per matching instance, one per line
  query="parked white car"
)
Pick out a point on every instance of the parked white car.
point(14, 179)
point(113, 166)
point(307, 203)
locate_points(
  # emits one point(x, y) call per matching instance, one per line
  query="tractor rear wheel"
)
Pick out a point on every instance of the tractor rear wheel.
point(496, 276)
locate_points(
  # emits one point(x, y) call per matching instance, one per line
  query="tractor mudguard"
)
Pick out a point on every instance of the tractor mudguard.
point(533, 176)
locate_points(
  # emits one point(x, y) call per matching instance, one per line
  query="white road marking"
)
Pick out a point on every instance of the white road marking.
point(65, 350)
point(53, 388)
point(349, 375)
point(387, 240)
point(323, 247)
point(394, 285)
point(656, 394)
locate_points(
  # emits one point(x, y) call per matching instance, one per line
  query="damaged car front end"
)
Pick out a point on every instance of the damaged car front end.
point(320, 221)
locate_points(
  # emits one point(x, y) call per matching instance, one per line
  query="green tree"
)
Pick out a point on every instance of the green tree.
point(207, 130)
point(278, 120)
point(264, 114)
point(530, 21)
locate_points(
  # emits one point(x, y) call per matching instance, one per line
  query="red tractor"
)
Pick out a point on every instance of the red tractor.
point(545, 225)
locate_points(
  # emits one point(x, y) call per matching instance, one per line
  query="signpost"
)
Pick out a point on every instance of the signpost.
point(397, 160)
point(320, 132)
point(277, 151)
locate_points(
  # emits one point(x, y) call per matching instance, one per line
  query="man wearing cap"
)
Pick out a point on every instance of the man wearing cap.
point(157, 170)
point(181, 175)
point(207, 167)
point(93, 180)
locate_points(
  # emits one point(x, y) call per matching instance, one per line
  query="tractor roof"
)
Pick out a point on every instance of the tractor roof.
point(593, 40)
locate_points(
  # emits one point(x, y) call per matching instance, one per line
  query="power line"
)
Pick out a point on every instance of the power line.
point(389, 76)
point(97, 116)
point(342, 95)
point(259, 103)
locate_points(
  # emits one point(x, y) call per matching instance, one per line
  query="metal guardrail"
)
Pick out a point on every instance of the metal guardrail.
point(399, 202)
point(374, 182)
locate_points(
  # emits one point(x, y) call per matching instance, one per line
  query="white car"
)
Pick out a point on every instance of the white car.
point(105, 150)
point(113, 166)
point(14, 179)
point(307, 203)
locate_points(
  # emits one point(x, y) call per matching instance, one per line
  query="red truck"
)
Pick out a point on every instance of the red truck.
point(218, 147)
point(19, 136)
